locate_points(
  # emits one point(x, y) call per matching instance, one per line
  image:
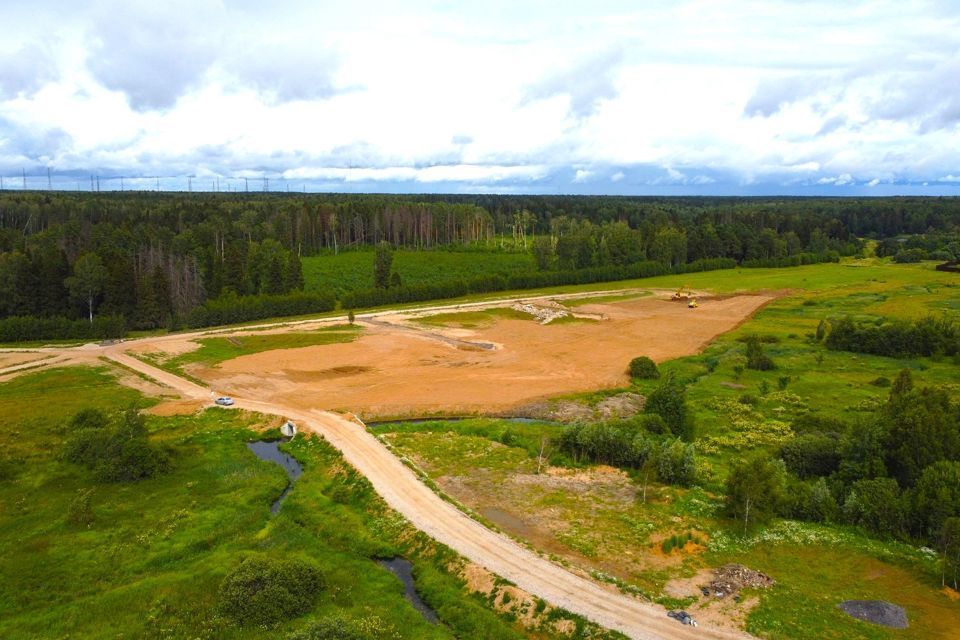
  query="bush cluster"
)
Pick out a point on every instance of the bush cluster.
point(899, 339)
point(626, 444)
point(263, 590)
point(644, 368)
point(118, 453)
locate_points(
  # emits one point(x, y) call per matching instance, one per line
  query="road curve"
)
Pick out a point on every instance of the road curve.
point(404, 492)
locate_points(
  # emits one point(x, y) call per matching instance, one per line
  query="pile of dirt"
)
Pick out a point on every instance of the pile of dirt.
point(877, 612)
point(622, 405)
point(729, 579)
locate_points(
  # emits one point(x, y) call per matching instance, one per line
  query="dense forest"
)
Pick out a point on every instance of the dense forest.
point(147, 260)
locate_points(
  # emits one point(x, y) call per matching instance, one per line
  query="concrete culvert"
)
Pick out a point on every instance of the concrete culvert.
point(877, 612)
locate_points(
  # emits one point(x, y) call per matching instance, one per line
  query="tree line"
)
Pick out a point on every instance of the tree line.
point(154, 260)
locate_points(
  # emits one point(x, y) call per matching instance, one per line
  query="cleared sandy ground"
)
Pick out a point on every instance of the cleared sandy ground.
point(12, 359)
point(395, 371)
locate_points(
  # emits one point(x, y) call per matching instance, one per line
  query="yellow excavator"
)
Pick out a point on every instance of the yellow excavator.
point(684, 293)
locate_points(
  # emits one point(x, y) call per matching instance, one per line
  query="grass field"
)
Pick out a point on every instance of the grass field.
point(353, 270)
point(596, 517)
point(150, 562)
point(216, 350)
point(472, 319)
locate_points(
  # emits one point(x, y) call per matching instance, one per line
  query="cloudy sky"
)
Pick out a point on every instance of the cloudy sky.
point(690, 97)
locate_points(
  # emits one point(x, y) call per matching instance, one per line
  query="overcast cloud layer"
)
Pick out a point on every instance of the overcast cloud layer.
point(704, 97)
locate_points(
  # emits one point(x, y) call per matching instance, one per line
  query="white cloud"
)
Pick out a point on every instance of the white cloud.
point(701, 94)
point(446, 173)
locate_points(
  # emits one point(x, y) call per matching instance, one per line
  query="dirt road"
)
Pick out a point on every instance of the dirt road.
point(404, 492)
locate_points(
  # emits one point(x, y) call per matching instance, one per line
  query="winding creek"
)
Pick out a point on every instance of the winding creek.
point(402, 568)
point(269, 450)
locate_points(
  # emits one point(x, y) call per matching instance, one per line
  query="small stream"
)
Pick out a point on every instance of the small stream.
point(269, 450)
point(402, 568)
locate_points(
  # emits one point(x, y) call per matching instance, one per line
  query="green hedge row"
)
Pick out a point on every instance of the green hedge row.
point(793, 261)
point(231, 309)
point(30, 328)
point(532, 280)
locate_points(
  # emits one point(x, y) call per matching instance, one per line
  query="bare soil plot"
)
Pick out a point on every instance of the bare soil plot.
point(397, 369)
point(11, 359)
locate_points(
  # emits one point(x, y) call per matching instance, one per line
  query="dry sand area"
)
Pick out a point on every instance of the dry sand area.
point(394, 370)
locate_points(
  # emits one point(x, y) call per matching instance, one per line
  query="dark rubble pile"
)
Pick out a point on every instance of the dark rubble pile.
point(729, 579)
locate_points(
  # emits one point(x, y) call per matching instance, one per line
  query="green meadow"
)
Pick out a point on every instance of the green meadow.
point(353, 270)
point(149, 560)
point(605, 523)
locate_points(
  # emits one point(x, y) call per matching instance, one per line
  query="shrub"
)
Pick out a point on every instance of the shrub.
point(648, 422)
point(88, 419)
point(809, 501)
point(899, 339)
point(881, 382)
point(119, 454)
point(875, 505)
point(678, 541)
point(757, 359)
point(335, 628)
point(909, 256)
point(80, 512)
point(669, 401)
point(644, 368)
point(263, 590)
point(676, 462)
point(813, 423)
point(811, 455)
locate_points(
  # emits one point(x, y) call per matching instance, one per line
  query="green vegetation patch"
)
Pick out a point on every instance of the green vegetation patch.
point(353, 270)
point(473, 319)
point(213, 351)
point(147, 559)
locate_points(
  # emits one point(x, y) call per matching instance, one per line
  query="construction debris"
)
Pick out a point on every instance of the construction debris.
point(731, 578)
point(877, 612)
point(682, 617)
point(543, 314)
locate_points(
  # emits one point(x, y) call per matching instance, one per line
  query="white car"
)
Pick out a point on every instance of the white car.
point(224, 401)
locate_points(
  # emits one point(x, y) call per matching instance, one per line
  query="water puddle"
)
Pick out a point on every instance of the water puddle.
point(269, 450)
point(402, 568)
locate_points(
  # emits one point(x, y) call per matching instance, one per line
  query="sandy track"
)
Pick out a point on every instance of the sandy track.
point(401, 489)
